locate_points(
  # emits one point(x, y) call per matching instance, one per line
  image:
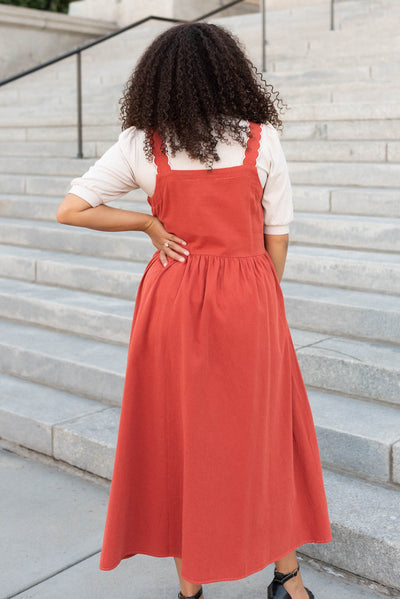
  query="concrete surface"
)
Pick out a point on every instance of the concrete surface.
point(51, 532)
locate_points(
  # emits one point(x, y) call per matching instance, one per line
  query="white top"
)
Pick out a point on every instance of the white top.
point(124, 167)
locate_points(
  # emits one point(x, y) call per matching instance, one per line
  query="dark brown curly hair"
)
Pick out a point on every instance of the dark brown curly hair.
point(193, 85)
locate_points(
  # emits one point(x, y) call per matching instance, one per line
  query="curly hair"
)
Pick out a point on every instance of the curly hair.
point(193, 85)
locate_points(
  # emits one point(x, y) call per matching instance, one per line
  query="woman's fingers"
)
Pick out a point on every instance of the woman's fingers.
point(163, 258)
point(178, 240)
point(173, 250)
point(176, 247)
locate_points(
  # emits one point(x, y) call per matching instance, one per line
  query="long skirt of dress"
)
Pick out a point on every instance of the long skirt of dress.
point(217, 460)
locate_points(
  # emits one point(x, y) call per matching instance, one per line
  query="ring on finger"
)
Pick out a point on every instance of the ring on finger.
point(166, 243)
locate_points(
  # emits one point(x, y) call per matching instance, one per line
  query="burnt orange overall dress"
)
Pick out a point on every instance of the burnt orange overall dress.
point(217, 460)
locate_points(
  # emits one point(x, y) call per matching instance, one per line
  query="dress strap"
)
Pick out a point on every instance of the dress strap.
point(253, 145)
point(160, 159)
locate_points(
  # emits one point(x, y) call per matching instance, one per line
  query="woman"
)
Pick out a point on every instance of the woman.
point(217, 461)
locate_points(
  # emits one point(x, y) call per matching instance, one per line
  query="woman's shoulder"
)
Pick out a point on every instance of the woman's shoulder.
point(130, 135)
point(270, 136)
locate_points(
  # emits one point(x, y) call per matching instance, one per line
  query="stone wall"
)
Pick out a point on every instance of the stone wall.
point(28, 36)
point(123, 12)
point(128, 11)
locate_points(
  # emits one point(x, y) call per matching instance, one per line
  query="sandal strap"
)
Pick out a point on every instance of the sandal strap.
point(196, 596)
point(282, 577)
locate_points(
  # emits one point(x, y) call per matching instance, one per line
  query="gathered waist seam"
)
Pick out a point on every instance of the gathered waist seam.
point(225, 255)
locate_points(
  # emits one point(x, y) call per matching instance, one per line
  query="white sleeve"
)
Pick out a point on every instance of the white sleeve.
point(111, 176)
point(277, 199)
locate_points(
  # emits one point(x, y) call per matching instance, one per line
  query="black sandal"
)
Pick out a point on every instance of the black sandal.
point(276, 590)
point(196, 596)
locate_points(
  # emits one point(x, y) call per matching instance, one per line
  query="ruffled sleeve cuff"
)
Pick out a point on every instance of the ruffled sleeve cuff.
point(276, 229)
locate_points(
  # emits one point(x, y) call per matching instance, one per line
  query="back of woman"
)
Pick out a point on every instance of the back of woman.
point(217, 461)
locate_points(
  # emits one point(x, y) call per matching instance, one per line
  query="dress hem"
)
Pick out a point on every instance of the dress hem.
point(210, 581)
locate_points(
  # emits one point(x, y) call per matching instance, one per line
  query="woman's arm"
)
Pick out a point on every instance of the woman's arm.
point(76, 211)
point(277, 247)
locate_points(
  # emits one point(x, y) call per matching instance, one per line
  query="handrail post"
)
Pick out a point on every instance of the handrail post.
point(79, 103)
point(332, 15)
point(263, 35)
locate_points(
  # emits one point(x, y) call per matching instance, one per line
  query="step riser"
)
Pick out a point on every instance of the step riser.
point(377, 236)
point(74, 377)
point(368, 202)
point(53, 436)
point(95, 325)
point(302, 130)
point(300, 112)
point(334, 319)
point(357, 553)
point(355, 436)
point(380, 277)
point(365, 458)
point(376, 202)
point(307, 172)
point(300, 174)
point(381, 237)
point(332, 173)
point(396, 462)
point(342, 374)
point(305, 314)
point(349, 94)
point(305, 151)
point(77, 242)
point(327, 371)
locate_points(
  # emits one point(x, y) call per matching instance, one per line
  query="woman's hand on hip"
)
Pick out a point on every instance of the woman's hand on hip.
point(159, 237)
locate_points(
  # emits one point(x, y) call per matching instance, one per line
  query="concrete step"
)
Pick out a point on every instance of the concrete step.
point(319, 58)
point(365, 529)
point(362, 369)
point(359, 314)
point(78, 312)
point(368, 201)
point(343, 268)
point(340, 151)
point(31, 154)
point(125, 245)
point(367, 129)
point(55, 166)
point(357, 436)
point(29, 206)
point(30, 413)
point(116, 278)
point(53, 178)
point(332, 267)
point(84, 433)
point(346, 231)
point(92, 368)
point(368, 174)
point(354, 436)
point(318, 129)
point(326, 230)
point(356, 162)
point(85, 367)
point(100, 115)
point(50, 149)
point(303, 91)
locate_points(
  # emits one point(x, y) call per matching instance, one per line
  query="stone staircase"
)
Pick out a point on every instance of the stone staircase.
point(67, 293)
